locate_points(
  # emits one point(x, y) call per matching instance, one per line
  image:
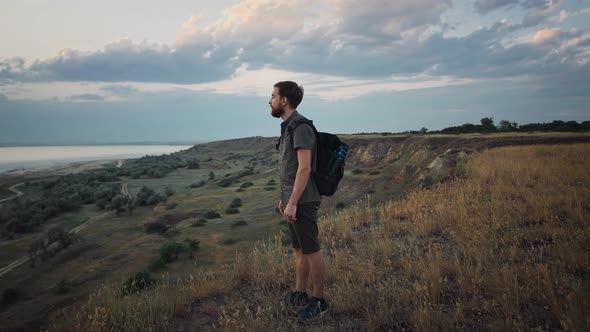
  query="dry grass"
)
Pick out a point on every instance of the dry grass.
point(504, 248)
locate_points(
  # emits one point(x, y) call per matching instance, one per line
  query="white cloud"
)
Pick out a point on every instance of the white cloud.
point(546, 36)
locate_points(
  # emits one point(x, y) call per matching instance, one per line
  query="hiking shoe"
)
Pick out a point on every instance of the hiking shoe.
point(315, 309)
point(296, 299)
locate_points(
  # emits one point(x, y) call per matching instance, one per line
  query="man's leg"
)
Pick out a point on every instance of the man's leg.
point(302, 268)
point(318, 273)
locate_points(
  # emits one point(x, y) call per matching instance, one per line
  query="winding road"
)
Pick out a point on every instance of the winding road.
point(14, 190)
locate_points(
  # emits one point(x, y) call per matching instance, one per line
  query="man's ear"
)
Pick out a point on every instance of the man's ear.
point(284, 101)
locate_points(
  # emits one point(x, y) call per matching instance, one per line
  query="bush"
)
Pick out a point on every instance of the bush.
point(193, 164)
point(236, 203)
point(211, 214)
point(139, 282)
point(269, 188)
point(199, 223)
point(198, 184)
point(226, 182)
point(238, 223)
point(228, 241)
point(340, 205)
point(169, 191)
point(239, 190)
point(231, 210)
point(170, 251)
point(157, 264)
point(271, 182)
point(158, 226)
point(155, 199)
point(10, 296)
point(246, 185)
point(374, 173)
point(357, 171)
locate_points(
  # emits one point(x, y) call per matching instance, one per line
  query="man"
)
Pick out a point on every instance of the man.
point(300, 200)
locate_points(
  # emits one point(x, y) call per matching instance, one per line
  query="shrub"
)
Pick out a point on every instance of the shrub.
point(231, 210)
point(199, 223)
point(225, 182)
point(340, 205)
point(211, 214)
point(169, 191)
point(193, 164)
point(228, 241)
point(155, 199)
point(158, 226)
point(239, 190)
point(238, 223)
point(357, 171)
point(271, 182)
point(269, 188)
point(139, 282)
point(246, 185)
point(157, 264)
point(170, 251)
point(236, 203)
point(198, 184)
point(374, 173)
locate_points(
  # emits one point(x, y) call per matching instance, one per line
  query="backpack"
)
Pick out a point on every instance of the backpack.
point(331, 152)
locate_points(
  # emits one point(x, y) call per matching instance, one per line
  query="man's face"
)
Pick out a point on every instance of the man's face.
point(276, 103)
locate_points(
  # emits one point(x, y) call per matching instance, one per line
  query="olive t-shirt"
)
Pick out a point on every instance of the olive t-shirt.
point(303, 137)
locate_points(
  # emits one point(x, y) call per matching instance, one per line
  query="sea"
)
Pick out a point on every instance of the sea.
point(41, 157)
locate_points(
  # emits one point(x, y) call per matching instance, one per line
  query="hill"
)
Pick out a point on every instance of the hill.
point(194, 293)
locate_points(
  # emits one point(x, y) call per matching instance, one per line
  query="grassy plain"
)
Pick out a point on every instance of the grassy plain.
point(505, 247)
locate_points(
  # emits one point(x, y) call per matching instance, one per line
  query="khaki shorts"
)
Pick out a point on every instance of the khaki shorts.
point(304, 231)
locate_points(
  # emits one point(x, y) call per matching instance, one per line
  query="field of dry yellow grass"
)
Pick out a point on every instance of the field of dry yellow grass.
point(505, 247)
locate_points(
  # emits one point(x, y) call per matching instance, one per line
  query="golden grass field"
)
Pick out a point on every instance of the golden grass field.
point(505, 247)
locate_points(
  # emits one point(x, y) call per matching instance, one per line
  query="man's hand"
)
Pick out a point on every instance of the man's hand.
point(281, 208)
point(290, 212)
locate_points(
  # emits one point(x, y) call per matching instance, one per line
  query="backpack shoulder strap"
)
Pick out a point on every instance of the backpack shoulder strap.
point(295, 124)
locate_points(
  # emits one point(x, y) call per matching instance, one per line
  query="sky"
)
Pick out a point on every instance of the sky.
point(75, 72)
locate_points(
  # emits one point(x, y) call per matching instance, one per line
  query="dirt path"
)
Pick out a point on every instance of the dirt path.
point(14, 190)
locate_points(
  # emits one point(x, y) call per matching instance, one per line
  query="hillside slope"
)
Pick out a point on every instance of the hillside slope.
point(504, 246)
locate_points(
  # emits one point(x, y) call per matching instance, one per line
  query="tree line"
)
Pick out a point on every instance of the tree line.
point(487, 125)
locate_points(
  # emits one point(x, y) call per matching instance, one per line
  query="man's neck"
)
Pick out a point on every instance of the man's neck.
point(288, 112)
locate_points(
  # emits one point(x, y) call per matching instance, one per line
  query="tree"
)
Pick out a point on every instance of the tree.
point(193, 164)
point(36, 248)
point(423, 130)
point(506, 125)
point(131, 205)
point(59, 235)
point(487, 124)
point(211, 175)
point(120, 203)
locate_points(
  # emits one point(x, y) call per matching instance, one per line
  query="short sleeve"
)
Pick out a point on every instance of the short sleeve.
point(304, 137)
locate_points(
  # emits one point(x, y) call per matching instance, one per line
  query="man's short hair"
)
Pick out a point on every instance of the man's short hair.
point(291, 91)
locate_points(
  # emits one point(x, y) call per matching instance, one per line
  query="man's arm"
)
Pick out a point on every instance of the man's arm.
point(301, 179)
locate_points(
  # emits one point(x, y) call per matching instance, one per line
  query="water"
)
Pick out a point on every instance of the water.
point(29, 157)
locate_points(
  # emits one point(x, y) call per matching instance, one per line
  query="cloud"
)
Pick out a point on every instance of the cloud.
point(486, 6)
point(3, 98)
point(372, 45)
point(120, 90)
point(546, 35)
point(86, 97)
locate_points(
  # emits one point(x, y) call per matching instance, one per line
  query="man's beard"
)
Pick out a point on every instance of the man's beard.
point(276, 112)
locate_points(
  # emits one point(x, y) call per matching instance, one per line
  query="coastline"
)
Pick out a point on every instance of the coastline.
point(59, 169)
